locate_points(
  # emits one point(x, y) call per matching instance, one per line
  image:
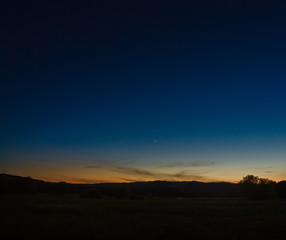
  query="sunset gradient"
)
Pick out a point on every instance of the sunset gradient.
point(112, 91)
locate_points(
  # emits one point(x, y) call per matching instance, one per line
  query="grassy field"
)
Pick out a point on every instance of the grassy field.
point(69, 217)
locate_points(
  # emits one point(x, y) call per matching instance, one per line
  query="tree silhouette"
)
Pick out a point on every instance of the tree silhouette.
point(255, 188)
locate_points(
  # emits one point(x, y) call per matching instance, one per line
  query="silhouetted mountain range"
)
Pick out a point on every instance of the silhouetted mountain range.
point(10, 184)
point(26, 185)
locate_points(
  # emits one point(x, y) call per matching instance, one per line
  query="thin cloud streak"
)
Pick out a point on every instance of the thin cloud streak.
point(92, 166)
point(189, 164)
point(43, 160)
point(136, 171)
point(141, 173)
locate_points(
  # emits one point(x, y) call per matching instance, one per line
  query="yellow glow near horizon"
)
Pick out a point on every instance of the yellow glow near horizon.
point(75, 175)
point(107, 171)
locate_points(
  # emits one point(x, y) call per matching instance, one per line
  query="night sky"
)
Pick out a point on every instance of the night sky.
point(119, 91)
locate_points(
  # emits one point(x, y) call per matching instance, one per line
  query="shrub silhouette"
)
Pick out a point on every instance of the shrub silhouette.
point(255, 188)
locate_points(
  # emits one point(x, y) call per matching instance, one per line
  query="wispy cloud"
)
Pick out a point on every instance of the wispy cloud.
point(138, 174)
point(72, 179)
point(92, 166)
point(263, 168)
point(187, 164)
point(267, 169)
point(136, 171)
point(129, 180)
point(181, 174)
point(43, 160)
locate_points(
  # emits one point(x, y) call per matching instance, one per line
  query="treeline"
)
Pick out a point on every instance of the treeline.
point(250, 187)
point(256, 188)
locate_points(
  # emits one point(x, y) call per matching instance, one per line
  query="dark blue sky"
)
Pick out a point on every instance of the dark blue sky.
point(128, 84)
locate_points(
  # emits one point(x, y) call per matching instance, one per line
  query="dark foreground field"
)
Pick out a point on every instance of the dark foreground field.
point(69, 217)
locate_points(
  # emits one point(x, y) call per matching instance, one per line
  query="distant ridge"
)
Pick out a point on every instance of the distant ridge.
point(6, 176)
point(11, 184)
